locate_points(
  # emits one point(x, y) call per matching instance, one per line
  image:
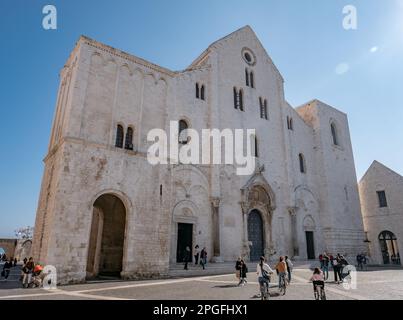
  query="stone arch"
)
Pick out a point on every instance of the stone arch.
point(309, 223)
point(257, 194)
point(107, 234)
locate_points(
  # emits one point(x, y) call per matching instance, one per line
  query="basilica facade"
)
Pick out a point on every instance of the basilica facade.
point(105, 210)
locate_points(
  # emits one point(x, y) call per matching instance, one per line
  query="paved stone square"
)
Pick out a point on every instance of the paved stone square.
point(373, 284)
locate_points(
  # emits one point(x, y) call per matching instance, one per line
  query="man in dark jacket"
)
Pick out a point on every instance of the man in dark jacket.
point(187, 257)
point(6, 268)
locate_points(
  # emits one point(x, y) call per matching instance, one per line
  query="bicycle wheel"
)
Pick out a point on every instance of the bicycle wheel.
point(323, 294)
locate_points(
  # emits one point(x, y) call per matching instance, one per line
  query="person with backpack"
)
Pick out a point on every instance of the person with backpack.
point(264, 272)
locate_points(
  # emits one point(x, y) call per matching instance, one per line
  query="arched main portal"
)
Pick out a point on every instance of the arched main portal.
point(105, 252)
point(389, 248)
point(255, 235)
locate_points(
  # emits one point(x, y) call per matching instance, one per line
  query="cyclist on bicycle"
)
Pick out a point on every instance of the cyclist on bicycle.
point(318, 279)
point(263, 271)
point(281, 268)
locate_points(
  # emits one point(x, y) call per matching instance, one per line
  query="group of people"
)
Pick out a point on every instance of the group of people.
point(337, 262)
point(361, 261)
point(283, 269)
point(200, 257)
point(31, 273)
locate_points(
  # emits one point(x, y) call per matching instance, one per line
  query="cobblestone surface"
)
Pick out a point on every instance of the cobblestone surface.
point(374, 284)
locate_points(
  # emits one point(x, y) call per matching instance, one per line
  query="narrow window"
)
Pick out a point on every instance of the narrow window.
point(251, 80)
point(240, 98)
point(291, 124)
point(183, 126)
point(302, 163)
point(235, 98)
point(334, 134)
point(119, 137)
point(129, 139)
point(382, 199)
point(261, 108)
point(202, 92)
point(256, 148)
point(288, 122)
point(160, 190)
point(247, 77)
point(265, 109)
point(197, 91)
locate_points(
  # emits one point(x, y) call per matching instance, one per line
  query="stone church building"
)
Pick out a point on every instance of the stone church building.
point(105, 210)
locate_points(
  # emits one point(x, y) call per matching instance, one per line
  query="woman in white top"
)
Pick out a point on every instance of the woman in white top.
point(263, 266)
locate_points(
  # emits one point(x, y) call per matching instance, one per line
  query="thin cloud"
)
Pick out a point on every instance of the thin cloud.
point(342, 68)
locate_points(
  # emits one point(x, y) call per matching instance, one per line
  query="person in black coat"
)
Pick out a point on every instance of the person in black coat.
point(6, 268)
point(187, 257)
point(243, 273)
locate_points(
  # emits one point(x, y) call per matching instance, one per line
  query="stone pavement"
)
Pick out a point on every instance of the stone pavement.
point(374, 284)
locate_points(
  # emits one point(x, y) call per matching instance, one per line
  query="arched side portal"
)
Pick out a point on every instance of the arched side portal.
point(389, 248)
point(106, 244)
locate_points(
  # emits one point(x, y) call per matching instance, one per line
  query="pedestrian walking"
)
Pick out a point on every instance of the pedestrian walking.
point(359, 262)
point(335, 266)
point(289, 267)
point(28, 269)
point(203, 257)
point(197, 254)
point(187, 257)
point(325, 265)
point(321, 260)
point(238, 270)
point(15, 262)
point(281, 269)
point(6, 269)
point(243, 273)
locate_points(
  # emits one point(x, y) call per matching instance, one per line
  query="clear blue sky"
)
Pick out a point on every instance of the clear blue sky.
point(305, 38)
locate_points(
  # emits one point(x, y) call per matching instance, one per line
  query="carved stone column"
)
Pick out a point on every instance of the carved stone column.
point(245, 253)
point(294, 231)
point(215, 206)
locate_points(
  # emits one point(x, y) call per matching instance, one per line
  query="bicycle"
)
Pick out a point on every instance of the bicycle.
point(264, 290)
point(319, 290)
point(282, 284)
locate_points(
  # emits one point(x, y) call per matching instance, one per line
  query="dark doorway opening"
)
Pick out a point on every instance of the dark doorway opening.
point(185, 235)
point(106, 243)
point(255, 235)
point(310, 245)
point(389, 248)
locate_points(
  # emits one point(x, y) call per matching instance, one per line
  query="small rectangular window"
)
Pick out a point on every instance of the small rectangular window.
point(382, 199)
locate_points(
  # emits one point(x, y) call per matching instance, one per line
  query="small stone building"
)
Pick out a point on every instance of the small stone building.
point(381, 194)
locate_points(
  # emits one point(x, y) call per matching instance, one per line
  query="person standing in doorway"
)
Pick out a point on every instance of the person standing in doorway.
point(197, 254)
point(187, 257)
point(289, 267)
point(203, 258)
